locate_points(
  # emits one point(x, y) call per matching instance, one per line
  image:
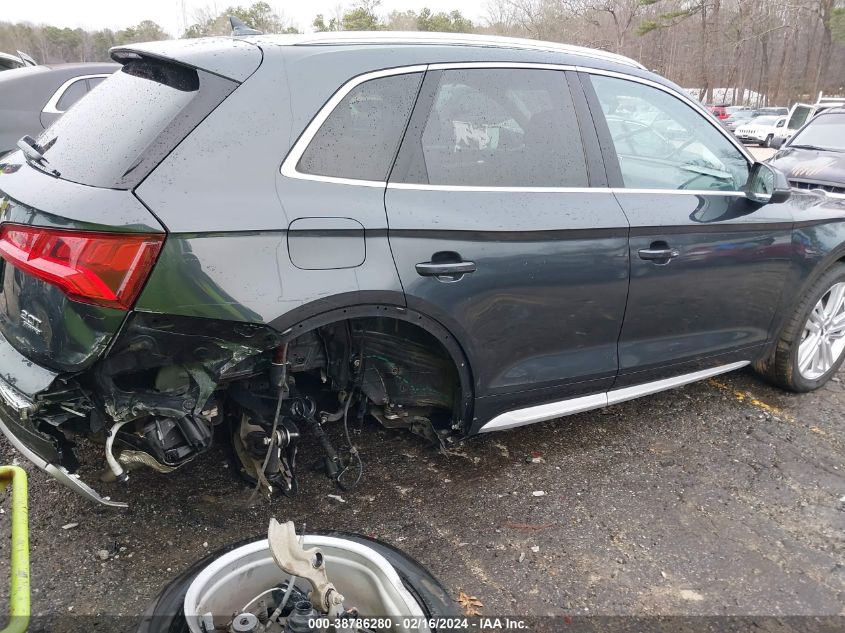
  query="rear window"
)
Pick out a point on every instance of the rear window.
point(71, 95)
point(799, 117)
point(827, 131)
point(103, 138)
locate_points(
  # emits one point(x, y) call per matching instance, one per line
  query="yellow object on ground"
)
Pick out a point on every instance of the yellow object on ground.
point(19, 590)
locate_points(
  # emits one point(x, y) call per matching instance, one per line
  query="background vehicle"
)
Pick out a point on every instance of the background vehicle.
point(21, 60)
point(739, 117)
point(760, 130)
point(719, 111)
point(487, 233)
point(800, 113)
point(777, 111)
point(32, 98)
point(814, 158)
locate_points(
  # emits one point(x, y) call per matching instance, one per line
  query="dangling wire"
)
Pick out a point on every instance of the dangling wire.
point(353, 451)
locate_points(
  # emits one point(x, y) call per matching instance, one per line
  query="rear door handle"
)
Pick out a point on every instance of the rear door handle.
point(659, 255)
point(446, 269)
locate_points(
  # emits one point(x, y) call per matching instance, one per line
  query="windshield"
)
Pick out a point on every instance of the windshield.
point(765, 120)
point(103, 136)
point(742, 114)
point(827, 131)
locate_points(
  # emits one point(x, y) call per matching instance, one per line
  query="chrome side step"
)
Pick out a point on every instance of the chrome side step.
point(552, 410)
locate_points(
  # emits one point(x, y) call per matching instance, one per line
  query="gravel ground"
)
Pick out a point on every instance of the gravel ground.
point(761, 153)
point(721, 498)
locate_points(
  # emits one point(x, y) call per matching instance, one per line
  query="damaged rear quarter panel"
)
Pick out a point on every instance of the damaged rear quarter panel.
point(36, 318)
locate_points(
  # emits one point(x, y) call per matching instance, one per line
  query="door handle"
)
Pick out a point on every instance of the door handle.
point(445, 269)
point(659, 253)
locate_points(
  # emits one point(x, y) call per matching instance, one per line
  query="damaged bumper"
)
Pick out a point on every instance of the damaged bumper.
point(20, 382)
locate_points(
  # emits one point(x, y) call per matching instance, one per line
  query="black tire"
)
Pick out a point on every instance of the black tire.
point(768, 141)
point(781, 367)
point(166, 615)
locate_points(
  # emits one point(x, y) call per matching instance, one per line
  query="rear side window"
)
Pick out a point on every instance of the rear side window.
point(360, 137)
point(71, 95)
point(126, 127)
point(499, 128)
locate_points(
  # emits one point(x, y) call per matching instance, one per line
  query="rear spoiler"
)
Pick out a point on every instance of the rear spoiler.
point(227, 57)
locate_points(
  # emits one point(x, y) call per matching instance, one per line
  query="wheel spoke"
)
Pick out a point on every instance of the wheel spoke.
point(807, 352)
point(836, 329)
point(835, 300)
point(822, 342)
point(817, 315)
point(837, 323)
point(825, 355)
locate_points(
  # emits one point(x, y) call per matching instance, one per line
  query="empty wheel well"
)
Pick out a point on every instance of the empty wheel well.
point(405, 371)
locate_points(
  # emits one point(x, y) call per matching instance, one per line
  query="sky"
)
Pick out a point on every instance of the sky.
point(172, 14)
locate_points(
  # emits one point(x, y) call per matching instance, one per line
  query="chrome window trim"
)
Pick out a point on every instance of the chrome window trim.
point(614, 190)
point(53, 101)
point(290, 162)
point(448, 39)
point(571, 406)
point(505, 65)
point(295, 154)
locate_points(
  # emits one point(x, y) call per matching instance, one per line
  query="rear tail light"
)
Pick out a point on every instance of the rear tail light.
point(105, 269)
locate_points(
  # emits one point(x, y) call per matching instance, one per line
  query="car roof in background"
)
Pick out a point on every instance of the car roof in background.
point(59, 70)
point(84, 67)
point(826, 111)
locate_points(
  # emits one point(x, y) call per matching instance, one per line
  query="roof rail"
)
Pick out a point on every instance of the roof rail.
point(493, 41)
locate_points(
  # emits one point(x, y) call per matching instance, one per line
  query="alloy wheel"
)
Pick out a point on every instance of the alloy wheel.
point(823, 339)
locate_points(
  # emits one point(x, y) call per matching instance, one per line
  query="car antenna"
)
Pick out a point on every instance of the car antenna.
point(240, 29)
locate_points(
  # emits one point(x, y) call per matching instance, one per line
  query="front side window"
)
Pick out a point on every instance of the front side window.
point(662, 143)
point(499, 128)
point(360, 137)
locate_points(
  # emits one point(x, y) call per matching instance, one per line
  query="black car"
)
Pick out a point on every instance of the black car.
point(814, 157)
point(257, 238)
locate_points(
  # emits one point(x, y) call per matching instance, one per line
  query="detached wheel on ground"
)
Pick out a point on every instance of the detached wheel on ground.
point(166, 614)
point(811, 346)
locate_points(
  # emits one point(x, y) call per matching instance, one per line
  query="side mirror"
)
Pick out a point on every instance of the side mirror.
point(766, 185)
point(776, 142)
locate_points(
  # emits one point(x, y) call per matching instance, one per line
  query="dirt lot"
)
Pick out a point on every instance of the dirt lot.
point(721, 498)
point(761, 153)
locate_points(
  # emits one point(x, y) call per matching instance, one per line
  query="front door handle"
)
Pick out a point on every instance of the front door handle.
point(659, 253)
point(445, 269)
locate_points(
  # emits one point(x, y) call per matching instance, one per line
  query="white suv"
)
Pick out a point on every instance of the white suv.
point(760, 130)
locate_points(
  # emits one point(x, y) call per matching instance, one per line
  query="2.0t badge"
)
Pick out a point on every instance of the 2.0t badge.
point(30, 322)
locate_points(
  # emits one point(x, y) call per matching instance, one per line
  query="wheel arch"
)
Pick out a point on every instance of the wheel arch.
point(792, 298)
point(318, 314)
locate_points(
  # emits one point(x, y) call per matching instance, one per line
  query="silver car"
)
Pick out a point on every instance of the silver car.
point(31, 98)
